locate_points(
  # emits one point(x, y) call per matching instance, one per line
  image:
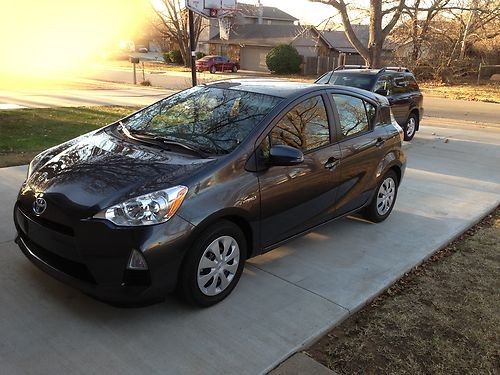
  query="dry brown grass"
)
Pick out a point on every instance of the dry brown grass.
point(488, 92)
point(443, 318)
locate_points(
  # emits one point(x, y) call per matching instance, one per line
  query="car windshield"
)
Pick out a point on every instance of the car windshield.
point(361, 81)
point(210, 119)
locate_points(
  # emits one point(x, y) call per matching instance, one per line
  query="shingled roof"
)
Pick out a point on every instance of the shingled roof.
point(339, 41)
point(266, 35)
point(252, 11)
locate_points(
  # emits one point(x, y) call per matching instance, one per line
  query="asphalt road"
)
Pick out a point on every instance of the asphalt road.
point(122, 94)
point(286, 298)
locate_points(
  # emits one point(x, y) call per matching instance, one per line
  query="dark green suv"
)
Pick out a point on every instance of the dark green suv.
point(397, 84)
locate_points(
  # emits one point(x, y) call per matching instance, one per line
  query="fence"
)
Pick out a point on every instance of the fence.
point(487, 71)
point(317, 65)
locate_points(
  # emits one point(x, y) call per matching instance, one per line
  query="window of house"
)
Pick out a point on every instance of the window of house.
point(353, 114)
point(304, 127)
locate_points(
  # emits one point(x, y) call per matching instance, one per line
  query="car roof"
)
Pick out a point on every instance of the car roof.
point(283, 89)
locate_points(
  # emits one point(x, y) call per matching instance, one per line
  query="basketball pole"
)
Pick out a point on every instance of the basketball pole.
point(192, 47)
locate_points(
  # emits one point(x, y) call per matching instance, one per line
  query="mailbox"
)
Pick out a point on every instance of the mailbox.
point(134, 60)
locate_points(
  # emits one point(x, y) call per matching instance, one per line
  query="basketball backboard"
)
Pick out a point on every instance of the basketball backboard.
point(212, 8)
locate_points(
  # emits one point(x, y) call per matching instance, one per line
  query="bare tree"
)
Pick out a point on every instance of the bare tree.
point(173, 24)
point(382, 21)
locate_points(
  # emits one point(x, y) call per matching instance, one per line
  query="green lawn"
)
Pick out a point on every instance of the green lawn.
point(25, 132)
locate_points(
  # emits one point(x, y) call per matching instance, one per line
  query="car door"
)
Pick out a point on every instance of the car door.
point(362, 146)
point(399, 99)
point(296, 198)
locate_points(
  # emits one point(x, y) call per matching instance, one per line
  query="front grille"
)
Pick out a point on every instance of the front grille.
point(69, 267)
point(49, 224)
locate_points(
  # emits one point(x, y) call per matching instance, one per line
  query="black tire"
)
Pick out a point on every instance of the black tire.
point(213, 69)
point(234, 69)
point(411, 126)
point(188, 277)
point(372, 212)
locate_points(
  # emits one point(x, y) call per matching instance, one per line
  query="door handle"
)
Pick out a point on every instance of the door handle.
point(332, 163)
point(380, 142)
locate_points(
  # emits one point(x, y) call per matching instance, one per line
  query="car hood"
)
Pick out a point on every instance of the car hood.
point(101, 169)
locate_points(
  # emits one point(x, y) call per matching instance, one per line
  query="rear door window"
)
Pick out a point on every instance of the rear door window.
point(356, 116)
point(305, 126)
point(383, 86)
point(400, 85)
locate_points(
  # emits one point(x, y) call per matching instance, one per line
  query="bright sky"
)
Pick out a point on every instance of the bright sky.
point(306, 11)
point(51, 37)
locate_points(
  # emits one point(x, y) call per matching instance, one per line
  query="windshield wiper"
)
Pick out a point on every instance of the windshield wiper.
point(159, 140)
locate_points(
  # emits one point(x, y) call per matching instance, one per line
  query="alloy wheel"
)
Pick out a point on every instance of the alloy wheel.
point(410, 127)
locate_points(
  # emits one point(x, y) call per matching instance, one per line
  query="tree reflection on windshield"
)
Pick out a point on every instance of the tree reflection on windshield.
point(211, 119)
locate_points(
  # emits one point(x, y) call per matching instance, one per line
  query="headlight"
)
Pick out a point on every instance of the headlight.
point(148, 209)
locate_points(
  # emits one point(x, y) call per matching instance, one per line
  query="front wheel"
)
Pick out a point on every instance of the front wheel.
point(213, 69)
point(383, 201)
point(234, 69)
point(214, 265)
point(411, 127)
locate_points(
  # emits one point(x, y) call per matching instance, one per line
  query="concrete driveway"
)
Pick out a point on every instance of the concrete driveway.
point(286, 298)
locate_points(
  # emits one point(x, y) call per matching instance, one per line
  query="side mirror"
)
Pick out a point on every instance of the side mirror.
point(281, 155)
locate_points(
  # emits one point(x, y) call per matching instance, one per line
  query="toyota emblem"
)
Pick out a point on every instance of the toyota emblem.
point(39, 206)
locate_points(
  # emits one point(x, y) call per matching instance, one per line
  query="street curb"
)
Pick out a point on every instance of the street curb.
point(317, 336)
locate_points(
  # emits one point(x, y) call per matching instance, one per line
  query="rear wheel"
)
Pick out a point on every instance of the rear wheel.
point(383, 202)
point(234, 69)
point(213, 69)
point(411, 126)
point(214, 265)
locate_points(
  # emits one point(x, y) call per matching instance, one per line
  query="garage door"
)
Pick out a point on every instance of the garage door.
point(254, 58)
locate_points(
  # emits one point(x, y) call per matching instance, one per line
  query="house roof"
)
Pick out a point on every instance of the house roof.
point(252, 11)
point(338, 40)
point(268, 35)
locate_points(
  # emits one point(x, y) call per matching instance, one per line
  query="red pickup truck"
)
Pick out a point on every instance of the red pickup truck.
point(216, 63)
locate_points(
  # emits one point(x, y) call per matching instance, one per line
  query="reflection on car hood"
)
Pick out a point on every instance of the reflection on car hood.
point(101, 170)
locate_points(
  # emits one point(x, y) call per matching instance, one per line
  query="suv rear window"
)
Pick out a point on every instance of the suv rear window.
point(412, 83)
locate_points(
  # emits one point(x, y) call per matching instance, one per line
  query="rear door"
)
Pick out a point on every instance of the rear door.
point(399, 99)
point(362, 146)
point(296, 198)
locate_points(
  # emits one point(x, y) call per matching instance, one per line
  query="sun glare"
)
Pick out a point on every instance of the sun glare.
point(49, 38)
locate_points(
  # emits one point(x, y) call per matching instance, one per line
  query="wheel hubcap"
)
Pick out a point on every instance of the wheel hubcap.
point(218, 265)
point(385, 196)
point(410, 127)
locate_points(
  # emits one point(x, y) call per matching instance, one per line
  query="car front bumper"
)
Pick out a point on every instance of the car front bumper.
point(93, 256)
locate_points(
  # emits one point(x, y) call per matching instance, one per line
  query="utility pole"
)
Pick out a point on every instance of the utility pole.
point(193, 47)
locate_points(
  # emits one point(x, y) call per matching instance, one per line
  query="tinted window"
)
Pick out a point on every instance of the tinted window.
point(400, 85)
point(352, 114)
point(383, 86)
point(371, 112)
point(214, 120)
point(412, 84)
point(385, 115)
point(362, 81)
point(304, 127)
